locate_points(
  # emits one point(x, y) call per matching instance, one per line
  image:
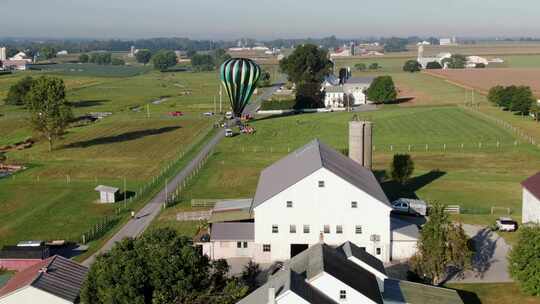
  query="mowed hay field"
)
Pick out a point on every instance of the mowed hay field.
point(476, 178)
point(484, 79)
point(55, 198)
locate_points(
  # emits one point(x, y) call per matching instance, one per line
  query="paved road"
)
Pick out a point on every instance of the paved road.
point(252, 107)
point(144, 217)
point(490, 264)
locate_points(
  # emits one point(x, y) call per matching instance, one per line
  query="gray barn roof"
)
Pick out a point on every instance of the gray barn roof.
point(232, 232)
point(401, 226)
point(360, 80)
point(308, 159)
point(107, 189)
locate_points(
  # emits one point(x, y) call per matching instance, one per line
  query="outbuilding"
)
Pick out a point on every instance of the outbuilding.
point(107, 194)
point(531, 199)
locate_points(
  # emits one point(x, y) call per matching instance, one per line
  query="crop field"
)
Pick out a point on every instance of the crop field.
point(54, 197)
point(95, 70)
point(474, 177)
point(484, 79)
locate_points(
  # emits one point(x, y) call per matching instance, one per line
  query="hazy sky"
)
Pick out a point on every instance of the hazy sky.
point(266, 19)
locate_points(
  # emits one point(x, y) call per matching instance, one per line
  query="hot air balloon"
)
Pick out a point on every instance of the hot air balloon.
point(239, 76)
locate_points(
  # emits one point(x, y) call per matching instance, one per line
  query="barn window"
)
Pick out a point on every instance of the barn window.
point(266, 248)
point(245, 244)
point(289, 204)
point(354, 204)
point(326, 229)
point(292, 229)
point(275, 229)
point(321, 184)
point(342, 294)
point(306, 228)
point(358, 229)
point(238, 244)
point(339, 229)
point(378, 250)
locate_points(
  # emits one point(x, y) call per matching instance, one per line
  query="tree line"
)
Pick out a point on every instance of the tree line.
point(513, 98)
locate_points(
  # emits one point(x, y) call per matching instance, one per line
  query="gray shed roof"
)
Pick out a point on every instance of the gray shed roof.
point(308, 159)
point(230, 205)
point(401, 226)
point(232, 232)
point(397, 292)
point(107, 189)
point(310, 263)
point(360, 80)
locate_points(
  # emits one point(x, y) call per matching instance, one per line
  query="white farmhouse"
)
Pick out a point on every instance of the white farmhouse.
point(531, 199)
point(352, 92)
point(325, 274)
point(313, 194)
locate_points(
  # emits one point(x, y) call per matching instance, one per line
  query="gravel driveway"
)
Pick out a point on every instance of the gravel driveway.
point(490, 264)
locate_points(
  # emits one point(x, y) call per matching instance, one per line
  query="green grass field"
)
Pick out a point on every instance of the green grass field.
point(54, 197)
point(476, 178)
point(93, 70)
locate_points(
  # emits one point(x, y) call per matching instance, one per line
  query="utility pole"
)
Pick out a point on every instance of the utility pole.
point(220, 100)
point(214, 104)
point(147, 111)
point(125, 190)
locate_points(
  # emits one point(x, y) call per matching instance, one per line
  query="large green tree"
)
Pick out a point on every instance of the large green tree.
point(47, 52)
point(17, 92)
point(412, 66)
point(161, 267)
point(443, 245)
point(402, 168)
point(164, 59)
point(307, 67)
point(203, 62)
point(395, 44)
point(382, 90)
point(524, 259)
point(50, 113)
point(456, 61)
point(143, 56)
point(84, 58)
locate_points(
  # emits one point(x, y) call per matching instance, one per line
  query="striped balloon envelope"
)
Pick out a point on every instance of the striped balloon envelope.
point(239, 76)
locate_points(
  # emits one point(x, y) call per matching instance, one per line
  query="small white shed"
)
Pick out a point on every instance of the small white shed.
point(107, 194)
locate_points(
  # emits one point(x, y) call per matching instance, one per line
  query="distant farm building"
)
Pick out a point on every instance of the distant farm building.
point(531, 199)
point(107, 194)
point(425, 60)
point(448, 41)
point(352, 92)
point(23, 255)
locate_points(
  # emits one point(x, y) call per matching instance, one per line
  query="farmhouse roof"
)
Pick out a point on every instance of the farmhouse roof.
point(532, 184)
point(107, 189)
point(400, 226)
point(349, 249)
point(233, 232)
point(311, 262)
point(56, 275)
point(308, 159)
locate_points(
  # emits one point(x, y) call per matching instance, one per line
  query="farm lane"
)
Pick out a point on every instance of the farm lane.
point(144, 217)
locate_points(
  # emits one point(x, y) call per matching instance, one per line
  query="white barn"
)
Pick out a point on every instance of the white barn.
point(313, 194)
point(351, 92)
point(531, 199)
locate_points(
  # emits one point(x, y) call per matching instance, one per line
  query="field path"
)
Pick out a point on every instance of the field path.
point(136, 226)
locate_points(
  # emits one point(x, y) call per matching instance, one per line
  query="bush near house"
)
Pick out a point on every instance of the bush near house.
point(382, 90)
point(524, 260)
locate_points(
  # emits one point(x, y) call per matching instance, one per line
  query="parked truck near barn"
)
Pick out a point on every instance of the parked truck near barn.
point(410, 206)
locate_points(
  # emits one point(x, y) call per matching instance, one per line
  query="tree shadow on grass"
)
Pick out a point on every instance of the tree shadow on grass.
point(120, 137)
point(468, 297)
point(395, 190)
point(88, 103)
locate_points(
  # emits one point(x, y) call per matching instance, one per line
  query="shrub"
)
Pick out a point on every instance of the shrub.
point(412, 66)
point(382, 90)
point(434, 65)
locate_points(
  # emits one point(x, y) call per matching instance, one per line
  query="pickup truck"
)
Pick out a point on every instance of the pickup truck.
point(506, 224)
point(410, 206)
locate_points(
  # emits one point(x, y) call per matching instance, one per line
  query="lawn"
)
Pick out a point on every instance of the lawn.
point(476, 178)
point(54, 197)
point(493, 294)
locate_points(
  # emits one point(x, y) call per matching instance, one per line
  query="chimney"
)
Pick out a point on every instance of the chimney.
point(360, 142)
point(271, 295)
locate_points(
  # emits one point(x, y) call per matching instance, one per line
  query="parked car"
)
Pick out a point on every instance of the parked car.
point(410, 206)
point(175, 113)
point(229, 115)
point(208, 114)
point(229, 133)
point(506, 224)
